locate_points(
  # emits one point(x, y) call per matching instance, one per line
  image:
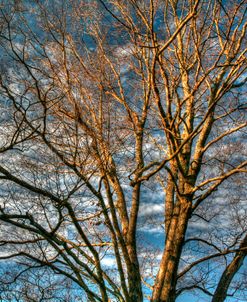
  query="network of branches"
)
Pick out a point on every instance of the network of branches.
point(123, 160)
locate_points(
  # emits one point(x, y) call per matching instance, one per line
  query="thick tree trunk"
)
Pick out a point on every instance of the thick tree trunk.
point(165, 285)
point(135, 289)
point(170, 195)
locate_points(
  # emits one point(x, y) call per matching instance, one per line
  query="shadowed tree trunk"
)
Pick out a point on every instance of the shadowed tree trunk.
point(231, 270)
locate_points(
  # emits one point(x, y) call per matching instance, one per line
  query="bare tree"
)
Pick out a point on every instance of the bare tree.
point(111, 107)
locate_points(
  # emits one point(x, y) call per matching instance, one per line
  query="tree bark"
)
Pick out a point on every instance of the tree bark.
point(164, 290)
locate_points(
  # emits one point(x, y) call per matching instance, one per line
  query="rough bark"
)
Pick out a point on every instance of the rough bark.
point(165, 285)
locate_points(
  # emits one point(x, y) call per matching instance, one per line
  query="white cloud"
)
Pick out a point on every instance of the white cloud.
point(108, 261)
point(151, 209)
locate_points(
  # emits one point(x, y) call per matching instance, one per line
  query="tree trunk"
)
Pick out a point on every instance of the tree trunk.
point(135, 289)
point(134, 277)
point(165, 285)
point(229, 273)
